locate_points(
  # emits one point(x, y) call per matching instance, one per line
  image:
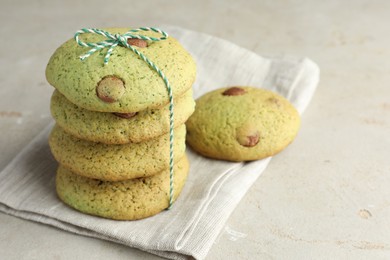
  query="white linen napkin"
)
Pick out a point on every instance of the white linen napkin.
point(213, 189)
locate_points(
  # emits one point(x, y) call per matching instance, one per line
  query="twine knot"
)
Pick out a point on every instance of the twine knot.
point(121, 39)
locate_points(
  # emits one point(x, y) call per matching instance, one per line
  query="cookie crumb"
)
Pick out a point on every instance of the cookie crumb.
point(364, 213)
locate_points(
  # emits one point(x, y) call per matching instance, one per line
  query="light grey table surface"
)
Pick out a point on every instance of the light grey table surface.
point(327, 196)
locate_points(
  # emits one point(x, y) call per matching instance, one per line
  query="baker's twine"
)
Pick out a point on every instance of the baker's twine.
point(112, 41)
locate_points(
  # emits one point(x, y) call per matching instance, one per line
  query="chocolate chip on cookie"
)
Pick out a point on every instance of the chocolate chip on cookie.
point(247, 136)
point(137, 42)
point(234, 91)
point(110, 89)
point(126, 115)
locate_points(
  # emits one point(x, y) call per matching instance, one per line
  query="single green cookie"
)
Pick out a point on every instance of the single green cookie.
point(115, 162)
point(121, 200)
point(127, 83)
point(114, 128)
point(242, 124)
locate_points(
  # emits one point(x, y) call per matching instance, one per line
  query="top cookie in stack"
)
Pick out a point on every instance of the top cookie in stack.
point(113, 121)
point(126, 83)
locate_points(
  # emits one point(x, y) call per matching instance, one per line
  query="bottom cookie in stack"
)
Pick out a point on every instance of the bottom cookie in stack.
point(121, 200)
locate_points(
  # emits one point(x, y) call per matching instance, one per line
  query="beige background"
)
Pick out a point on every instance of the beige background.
point(325, 197)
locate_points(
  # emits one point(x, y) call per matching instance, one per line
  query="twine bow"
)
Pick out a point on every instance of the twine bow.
point(113, 40)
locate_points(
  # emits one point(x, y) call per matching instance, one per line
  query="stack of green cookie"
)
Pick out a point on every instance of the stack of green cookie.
point(112, 133)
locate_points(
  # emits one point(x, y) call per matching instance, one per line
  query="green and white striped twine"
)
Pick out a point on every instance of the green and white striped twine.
point(114, 40)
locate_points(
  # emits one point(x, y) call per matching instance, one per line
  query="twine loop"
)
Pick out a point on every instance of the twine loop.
point(112, 41)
